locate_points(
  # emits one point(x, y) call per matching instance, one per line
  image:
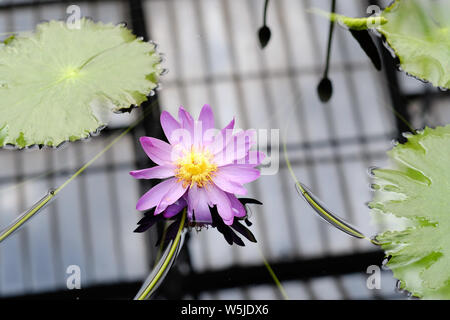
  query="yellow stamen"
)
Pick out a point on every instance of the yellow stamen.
point(195, 167)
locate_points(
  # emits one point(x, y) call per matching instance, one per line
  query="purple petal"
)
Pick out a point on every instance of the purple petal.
point(158, 172)
point(169, 125)
point(197, 135)
point(175, 208)
point(198, 204)
point(187, 122)
point(229, 126)
point(227, 185)
point(206, 117)
point(236, 206)
point(239, 174)
point(216, 140)
point(158, 151)
point(220, 139)
point(221, 200)
point(187, 127)
point(176, 192)
point(155, 194)
point(252, 159)
point(237, 148)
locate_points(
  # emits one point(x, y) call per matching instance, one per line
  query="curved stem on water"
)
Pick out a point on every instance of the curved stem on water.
point(159, 273)
point(27, 215)
point(319, 208)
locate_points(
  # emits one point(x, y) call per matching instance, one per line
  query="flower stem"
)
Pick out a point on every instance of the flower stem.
point(273, 275)
point(266, 5)
point(330, 38)
point(150, 285)
point(160, 250)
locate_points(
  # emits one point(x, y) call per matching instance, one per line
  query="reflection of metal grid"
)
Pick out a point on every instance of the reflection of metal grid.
point(213, 57)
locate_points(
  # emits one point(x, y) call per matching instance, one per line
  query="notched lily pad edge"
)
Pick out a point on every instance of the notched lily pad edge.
point(394, 53)
point(159, 71)
point(402, 286)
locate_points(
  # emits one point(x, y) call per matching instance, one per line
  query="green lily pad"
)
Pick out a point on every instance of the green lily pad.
point(414, 197)
point(56, 83)
point(418, 32)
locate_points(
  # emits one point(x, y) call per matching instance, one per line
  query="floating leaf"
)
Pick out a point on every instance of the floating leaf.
point(56, 84)
point(418, 32)
point(415, 194)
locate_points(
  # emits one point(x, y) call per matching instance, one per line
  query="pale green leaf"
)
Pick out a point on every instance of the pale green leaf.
point(56, 83)
point(417, 189)
point(418, 32)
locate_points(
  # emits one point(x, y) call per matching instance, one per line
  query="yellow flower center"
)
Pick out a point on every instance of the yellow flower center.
point(195, 167)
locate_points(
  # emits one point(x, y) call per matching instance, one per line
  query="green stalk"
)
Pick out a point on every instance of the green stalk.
point(15, 225)
point(321, 210)
point(274, 276)
point(266, 5)
point(314, 202)
point(351, 23)
point(160, 250)
point(150, 285)
point(330, 38)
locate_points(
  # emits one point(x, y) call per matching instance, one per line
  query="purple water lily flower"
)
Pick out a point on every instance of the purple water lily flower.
point(202, 167)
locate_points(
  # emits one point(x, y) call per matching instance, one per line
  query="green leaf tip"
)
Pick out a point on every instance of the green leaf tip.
point(58, 83)
point(418, 33)
point(413, 204)
point(351, 23)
